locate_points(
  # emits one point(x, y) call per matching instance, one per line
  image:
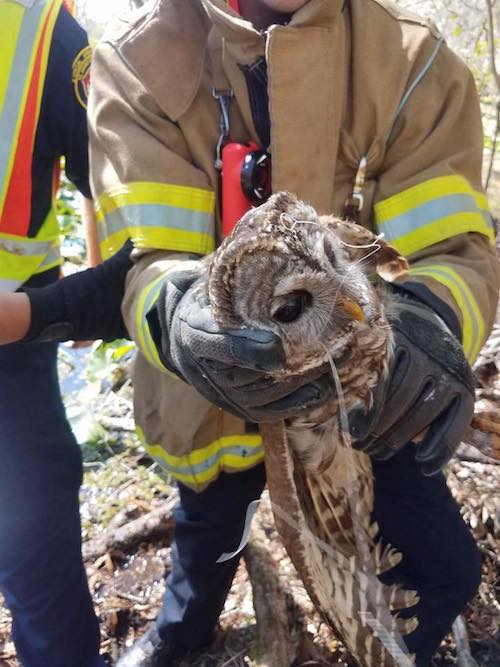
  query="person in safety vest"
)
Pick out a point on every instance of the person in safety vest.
point(44, 76)
point(363, 110)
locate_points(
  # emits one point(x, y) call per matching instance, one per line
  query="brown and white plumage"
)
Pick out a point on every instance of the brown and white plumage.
point(305, 277)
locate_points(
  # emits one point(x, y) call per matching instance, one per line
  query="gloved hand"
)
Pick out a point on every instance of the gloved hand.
point(430, 386)
point(230, 369)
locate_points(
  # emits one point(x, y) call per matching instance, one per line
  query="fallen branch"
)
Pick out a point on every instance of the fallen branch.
point(269, 600)
point(148, 527)
point(282, 635)
point(484, 433)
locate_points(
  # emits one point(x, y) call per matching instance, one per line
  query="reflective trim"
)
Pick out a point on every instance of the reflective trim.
point(28, 68)
point(232, 452)
point(146, 344)
point(9, 286)
point(146, 301)
point(52, 259)
point(12, 18)
point(21, 257)
point(473, 324)
point(157, 215)
point(150, 192)
point(432, 212)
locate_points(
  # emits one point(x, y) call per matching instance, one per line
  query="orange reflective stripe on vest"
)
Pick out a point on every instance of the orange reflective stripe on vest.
point(25, 35)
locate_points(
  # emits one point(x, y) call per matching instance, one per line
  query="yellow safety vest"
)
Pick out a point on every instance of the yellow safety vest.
point(26, 29)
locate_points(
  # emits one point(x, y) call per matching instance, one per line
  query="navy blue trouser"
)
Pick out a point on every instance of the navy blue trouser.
point(41, 571)
point(416, 514)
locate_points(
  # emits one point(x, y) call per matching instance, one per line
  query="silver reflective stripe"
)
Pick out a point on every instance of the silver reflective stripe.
point(53, 256)
point(241, 451)
point(9, 286)
point(29, 256)
point(21, 247)
point(156, 215)
point(15, 87)
point(430, 212)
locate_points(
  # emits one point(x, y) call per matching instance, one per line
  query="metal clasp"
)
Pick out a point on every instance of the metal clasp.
point(224, 98)
point(356, 201)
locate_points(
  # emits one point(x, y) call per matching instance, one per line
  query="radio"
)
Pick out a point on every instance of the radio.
point(246, 181)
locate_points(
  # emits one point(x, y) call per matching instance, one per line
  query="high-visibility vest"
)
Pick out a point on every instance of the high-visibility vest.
point(26, 28)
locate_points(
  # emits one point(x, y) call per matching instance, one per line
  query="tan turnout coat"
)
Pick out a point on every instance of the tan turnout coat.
point(347, 79)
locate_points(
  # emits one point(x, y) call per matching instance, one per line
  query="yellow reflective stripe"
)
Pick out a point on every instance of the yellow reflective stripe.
point(110, 245)
point(157, 215)
point(145, 192)
point(424, 192)
point(146, 344)
point(12, 18)
point(50, 230)
point(234, 452)
point(18, 267)
point(431, 212)
point(473, 327)
point(481, 200)
point(22, 257)
point(160, 238)
point(49, 265)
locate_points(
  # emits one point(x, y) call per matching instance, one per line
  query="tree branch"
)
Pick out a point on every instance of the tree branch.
point(496, 80)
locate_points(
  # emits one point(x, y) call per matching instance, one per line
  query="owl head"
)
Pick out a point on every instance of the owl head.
point(288, 270)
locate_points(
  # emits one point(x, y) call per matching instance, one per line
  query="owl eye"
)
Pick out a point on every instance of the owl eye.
point(293, 308)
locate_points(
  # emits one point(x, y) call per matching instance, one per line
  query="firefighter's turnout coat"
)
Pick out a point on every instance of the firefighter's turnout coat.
point(347, 80)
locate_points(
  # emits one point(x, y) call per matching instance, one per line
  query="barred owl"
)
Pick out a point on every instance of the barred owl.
point(307, 278)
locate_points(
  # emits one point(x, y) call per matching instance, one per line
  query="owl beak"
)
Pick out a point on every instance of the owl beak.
point(354, 310)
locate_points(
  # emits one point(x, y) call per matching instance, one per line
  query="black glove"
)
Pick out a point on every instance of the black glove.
point(230, 369)
point(83, 306)
point(430, 386)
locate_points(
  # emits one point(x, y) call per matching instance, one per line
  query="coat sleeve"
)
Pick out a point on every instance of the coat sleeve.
point(145, 186)
point(429, 202)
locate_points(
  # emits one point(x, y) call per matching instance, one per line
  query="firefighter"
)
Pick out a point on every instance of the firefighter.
point(44, 77)
point(363, 110)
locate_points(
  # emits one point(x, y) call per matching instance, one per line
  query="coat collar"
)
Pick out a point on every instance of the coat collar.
point(246, 43)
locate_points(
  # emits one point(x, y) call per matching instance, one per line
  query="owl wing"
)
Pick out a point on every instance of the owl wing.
point(362, 244)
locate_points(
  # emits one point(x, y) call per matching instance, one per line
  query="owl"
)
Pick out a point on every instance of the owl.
point(307, 279)
point(313, 281)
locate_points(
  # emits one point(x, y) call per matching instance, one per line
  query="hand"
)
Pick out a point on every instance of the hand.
point(15, 317)
point(229, 368)
point(429, 391)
